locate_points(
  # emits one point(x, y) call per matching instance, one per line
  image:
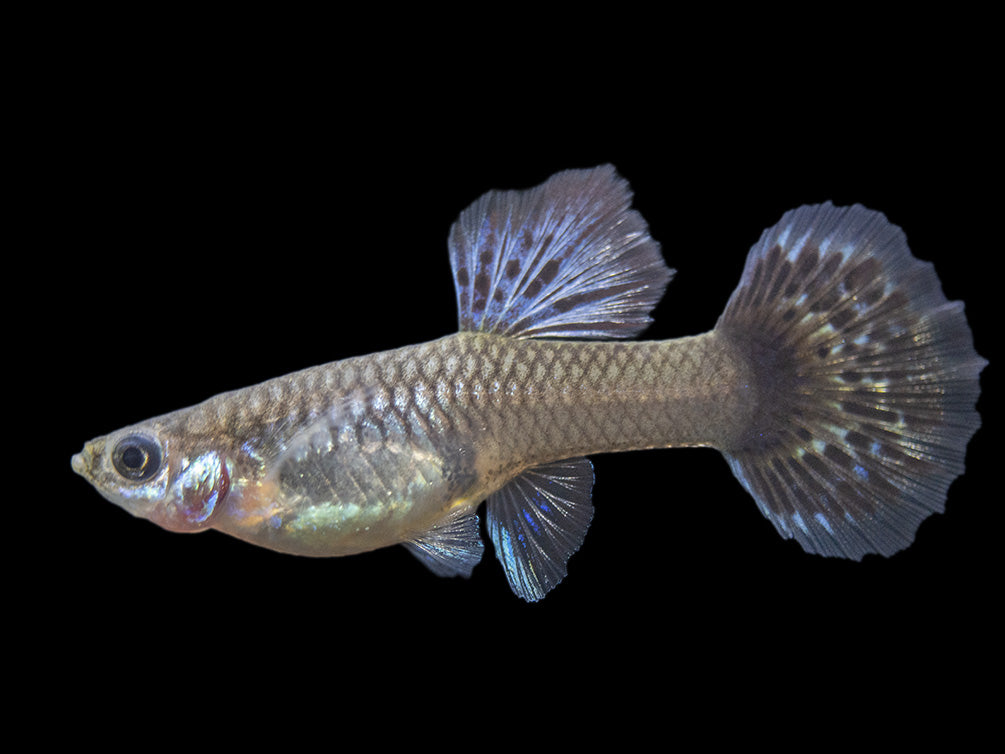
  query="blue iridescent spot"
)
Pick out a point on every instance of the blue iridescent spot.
point(506, 544)
point(515, 530)
point(822, 520)
point(531, 521)
point(797, 519)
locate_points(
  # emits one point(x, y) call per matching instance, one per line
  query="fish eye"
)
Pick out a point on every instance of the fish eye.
point(137, 457)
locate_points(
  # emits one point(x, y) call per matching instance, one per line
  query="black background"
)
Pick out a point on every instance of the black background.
point(237, 222)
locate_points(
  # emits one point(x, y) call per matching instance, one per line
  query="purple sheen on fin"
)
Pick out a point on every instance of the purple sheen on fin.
point(867, 384)
point(568, 258)
point(538, 520)
point(453, 549)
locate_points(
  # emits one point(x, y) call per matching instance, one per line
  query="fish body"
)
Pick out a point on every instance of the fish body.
point(374, 450)
point(839, 383)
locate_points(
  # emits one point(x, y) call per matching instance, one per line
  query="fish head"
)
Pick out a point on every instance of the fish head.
point(145, 471)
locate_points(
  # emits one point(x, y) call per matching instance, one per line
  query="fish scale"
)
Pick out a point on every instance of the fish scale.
point(518, 393)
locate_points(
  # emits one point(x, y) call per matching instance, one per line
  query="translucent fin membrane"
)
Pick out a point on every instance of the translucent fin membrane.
point(538, 520)
point(452, 549)
point(867, 378)
point(567, 258)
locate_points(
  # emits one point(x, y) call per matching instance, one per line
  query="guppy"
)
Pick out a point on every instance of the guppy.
point(839, 383)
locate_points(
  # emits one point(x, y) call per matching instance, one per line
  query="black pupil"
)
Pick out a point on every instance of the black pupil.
point(134, 457)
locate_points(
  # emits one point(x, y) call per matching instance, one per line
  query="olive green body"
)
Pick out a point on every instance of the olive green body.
point(374, 450)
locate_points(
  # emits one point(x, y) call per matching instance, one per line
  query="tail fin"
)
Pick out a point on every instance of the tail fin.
point(867, 382)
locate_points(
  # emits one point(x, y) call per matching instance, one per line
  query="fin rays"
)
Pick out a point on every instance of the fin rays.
point(453, 549)
point(568, 258)
point(869, 381)
point(538, 520)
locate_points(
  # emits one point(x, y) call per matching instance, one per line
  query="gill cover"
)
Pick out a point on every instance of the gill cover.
point(195, 494)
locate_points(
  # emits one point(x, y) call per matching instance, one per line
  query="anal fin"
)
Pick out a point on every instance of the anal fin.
point(538, 520)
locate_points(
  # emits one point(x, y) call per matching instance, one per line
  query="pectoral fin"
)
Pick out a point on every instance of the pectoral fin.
point(538, 521)
point(453, 549)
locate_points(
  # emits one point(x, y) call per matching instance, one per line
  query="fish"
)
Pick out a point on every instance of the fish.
point(839, 384)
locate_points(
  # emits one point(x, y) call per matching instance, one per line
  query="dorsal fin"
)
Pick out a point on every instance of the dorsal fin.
point(568, 258)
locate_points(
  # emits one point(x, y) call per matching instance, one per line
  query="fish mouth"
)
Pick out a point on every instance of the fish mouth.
point(79, 463)
point(87, 460)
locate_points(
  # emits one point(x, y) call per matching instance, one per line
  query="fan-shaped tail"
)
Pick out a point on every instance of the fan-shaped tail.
point(868, 380)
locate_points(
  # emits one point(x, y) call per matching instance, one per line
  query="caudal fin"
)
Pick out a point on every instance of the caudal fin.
point(867, 378)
